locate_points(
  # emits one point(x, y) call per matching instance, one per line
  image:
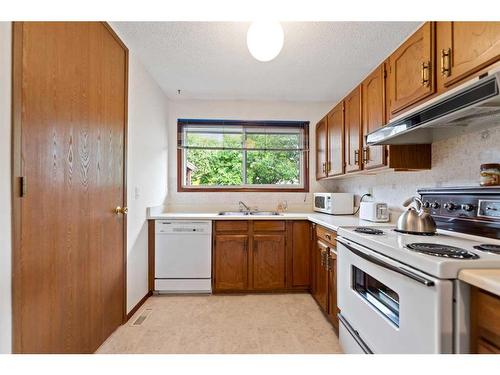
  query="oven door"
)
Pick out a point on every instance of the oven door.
point(391, 307)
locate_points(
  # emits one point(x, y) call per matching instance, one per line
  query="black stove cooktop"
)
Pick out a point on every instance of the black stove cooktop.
point(489, 248)
point(444, 251)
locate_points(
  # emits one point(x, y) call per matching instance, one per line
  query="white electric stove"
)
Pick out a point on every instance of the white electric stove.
point(400, 293)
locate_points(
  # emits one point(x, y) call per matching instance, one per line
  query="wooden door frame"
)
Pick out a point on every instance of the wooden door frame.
point(17, 171)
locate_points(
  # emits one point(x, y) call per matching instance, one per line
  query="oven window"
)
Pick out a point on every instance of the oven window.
point(380, 296)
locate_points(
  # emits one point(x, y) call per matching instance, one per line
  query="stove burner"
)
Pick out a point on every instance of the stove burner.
point(441, 251)
point(494, 249)
point(414, 233)
point(368, 230)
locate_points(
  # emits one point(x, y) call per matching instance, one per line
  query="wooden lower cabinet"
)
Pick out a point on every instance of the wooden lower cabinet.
point(231, 261)
point(261, 255)
point(268, 261)
point(324, 286)
point(332, 289)
point(320, 274)
point(485, 322)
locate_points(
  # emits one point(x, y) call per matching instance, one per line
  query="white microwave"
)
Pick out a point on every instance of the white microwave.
point(334, 203)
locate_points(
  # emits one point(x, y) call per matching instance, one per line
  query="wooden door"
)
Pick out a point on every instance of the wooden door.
point(411, 70)
point(332, 290)
point(320, 293)
point(231, 261)
point(299, 261)
point(373, 91)
point(335, 163)
point(464, 48)
point(321, 149)
point(268, 264)
point(353, 131)
point(69, 106)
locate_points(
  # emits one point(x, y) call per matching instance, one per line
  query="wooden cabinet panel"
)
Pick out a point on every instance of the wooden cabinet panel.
point(335, 122)
point(411, 70)
point(300, 257)
point(268, 261)
point(231, 262)
point(320, 291)
point(231, 226)
point(352, 145)
point(269, 225)
point(485, 321)
point(326, 235)
point(332, 289)
point(464, 48)
point(373, 91)
point(321, 148)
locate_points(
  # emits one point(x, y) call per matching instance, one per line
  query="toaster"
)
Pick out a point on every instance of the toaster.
point(374, 211)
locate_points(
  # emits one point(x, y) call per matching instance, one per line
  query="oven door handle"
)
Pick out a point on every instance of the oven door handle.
point(381, 263)
point(354, 334)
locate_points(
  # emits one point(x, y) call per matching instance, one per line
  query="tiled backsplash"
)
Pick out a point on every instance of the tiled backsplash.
point(455, 162)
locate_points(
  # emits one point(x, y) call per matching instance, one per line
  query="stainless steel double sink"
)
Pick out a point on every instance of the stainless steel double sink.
point(249, 213)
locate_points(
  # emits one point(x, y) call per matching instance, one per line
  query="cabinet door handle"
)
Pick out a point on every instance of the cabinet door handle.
point(365, 155)
point(446, 62)
point(329, 168)
point(356, 157)
point(426, 67)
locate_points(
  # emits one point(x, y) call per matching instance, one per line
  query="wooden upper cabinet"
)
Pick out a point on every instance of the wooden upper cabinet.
point(411, 70)
point(352, 144)
point(373, 90)
point(335, 122)
point(268, 261)
point(231, 262)
point(464, 48)
point(321, 148)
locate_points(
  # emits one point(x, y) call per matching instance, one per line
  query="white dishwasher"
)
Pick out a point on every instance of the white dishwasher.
point(183, 256)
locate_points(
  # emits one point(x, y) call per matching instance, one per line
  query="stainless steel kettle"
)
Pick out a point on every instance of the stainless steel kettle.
point(415, 220)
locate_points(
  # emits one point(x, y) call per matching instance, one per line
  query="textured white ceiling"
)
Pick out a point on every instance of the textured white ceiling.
point(320, 61)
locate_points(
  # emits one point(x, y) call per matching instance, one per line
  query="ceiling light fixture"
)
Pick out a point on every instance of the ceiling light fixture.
point(265, 40)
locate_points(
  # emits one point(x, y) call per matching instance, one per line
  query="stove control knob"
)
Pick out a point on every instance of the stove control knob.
point(427, 204)
point(450, 206)
point(467, 207)
point(435, 205)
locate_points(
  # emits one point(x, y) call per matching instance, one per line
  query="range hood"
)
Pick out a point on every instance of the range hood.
point(472, 106)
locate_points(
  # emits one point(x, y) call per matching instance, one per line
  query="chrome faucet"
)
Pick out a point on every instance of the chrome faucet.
point(244, 207)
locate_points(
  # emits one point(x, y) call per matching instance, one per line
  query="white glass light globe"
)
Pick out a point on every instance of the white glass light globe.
point(265, 40)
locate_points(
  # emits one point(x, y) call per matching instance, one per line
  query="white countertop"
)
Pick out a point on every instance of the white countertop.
point(329, 221)
point(487, 279)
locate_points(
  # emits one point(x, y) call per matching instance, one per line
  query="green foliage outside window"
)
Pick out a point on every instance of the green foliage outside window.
point(263, 167)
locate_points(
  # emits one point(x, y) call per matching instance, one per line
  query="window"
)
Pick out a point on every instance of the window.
point(225, 155)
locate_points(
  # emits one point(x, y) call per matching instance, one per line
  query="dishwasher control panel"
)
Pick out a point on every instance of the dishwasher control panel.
point(178, 226)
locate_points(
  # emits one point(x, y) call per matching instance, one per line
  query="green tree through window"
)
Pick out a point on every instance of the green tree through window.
point(242, 156)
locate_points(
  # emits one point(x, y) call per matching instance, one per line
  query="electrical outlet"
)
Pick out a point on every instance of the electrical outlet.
point(136, 193)
point(370, 191)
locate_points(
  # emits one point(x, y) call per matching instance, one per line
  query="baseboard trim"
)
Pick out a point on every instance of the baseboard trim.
point(139, 304)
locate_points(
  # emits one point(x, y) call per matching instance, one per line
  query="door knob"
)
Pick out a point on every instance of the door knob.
point(121, 210)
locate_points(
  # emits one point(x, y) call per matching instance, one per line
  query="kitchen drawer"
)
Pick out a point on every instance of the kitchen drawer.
point(269, 226)
point(231, 226)
point(326, 235)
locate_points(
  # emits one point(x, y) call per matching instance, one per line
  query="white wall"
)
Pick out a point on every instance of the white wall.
point(455, 162)
point(240, 110)
point(146, 170)
point(5, 206)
